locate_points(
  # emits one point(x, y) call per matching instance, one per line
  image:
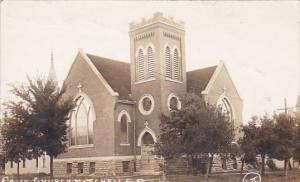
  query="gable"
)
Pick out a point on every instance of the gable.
point(221, 83)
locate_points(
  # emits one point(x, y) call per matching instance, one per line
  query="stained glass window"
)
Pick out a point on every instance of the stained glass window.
point(82, 118)
point(225, 107)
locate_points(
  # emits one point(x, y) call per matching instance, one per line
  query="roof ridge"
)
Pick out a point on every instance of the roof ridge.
point(107, 59)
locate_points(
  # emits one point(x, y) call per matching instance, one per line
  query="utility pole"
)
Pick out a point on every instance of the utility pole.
point(286, 109)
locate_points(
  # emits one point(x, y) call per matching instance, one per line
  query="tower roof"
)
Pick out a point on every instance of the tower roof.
point(157, 17)
point(51, 74)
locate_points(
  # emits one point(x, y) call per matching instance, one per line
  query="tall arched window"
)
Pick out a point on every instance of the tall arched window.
point(124, 128)
point(124, 120)
point(225, 107)
point(150, 62)
point(140, 65)
point(82, 119)
point(176, 65)
point(168, 62)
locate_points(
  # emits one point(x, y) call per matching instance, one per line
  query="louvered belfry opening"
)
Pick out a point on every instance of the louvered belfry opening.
point(168, 63)
point(150, 62)
point(176, 65)
point(140, 65)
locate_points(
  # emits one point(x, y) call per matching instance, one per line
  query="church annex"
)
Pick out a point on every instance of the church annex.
point(115, 122)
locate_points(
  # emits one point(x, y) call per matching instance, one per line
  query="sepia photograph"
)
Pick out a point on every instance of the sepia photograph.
point(149, 91)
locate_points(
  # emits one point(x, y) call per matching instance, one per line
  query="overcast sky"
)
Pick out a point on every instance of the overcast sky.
point(258, 41)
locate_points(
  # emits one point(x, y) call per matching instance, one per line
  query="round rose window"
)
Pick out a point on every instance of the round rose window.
point(173, 102)
point(146, 104)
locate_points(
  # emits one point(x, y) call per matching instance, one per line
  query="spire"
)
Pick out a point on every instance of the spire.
point(52, 75)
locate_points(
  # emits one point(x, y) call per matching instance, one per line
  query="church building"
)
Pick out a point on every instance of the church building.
point(116, 119)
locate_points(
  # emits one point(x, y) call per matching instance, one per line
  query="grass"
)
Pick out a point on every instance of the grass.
point(293, 176)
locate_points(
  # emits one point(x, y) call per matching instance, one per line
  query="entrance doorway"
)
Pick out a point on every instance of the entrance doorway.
point(148, 163)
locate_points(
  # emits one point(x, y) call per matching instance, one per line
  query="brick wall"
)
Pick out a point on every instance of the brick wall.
point(103, 102)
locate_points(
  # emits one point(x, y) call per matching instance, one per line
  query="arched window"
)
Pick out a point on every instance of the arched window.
point(225, 107)
point(140, 65)
point(124, 120)
point(176, 65)
point(150, 62)
point(168, 62)
point(82, 119)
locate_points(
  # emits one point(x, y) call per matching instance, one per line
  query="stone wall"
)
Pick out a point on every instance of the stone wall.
point(103, 168)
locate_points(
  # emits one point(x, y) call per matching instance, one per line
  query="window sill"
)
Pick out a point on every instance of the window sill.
point(124, 144)
point(81, 146)
point(172, 80)
point(143, 81)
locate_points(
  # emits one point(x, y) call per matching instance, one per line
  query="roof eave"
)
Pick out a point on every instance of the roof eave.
point(214, 78)
point(98, 74)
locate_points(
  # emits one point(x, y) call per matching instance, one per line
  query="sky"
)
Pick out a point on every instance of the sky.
point(258, 41)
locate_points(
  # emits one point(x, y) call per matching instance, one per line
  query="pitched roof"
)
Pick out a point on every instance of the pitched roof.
point(197, 80)
point(116, 73)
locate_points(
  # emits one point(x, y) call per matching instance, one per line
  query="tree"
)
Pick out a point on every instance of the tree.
point(284, 136)
point(248, 142)
point(48, 109)
point(198, 128)
point(15, 132)
point(296, 154)
point(265, 139)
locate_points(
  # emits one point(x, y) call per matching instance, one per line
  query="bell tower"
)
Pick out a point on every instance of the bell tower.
point(158, 71)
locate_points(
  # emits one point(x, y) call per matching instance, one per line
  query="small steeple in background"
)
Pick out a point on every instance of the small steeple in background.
point(52, 75)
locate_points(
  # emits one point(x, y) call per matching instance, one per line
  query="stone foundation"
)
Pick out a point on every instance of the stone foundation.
point(111, 167)
point(149, 165)
point(182, 166)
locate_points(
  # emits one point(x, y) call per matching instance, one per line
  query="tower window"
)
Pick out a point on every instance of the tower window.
point(150, 62)
point(140, 65)
point(174, 102)
point(146, 104)
point(168, 62)
point(176, 66)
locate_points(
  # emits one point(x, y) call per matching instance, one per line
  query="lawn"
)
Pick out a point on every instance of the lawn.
point(293, 176)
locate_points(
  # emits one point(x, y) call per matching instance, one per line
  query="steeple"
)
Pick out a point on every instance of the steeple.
point(52, 75)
